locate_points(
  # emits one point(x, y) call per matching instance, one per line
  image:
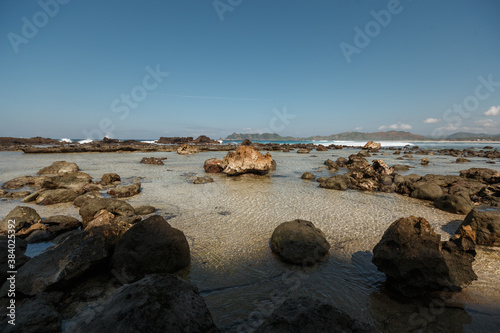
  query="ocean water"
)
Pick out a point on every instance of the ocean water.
point(229, 223)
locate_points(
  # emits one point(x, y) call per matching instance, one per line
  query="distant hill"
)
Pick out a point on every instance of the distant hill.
point(474, 136)
point(376, 136)
point(259, 136)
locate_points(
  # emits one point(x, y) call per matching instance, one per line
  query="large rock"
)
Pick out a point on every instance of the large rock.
point(416, 262)
point(150, 246)
point(372, 145)
point(156, 303)
point(458, 203)
point(212, 165)
point(427, 191)
point(125, 191)
point(486, 225)
point(59, 224)
point(246, 159)
point(22, 216)
point(81, 199)
point(75, 181)
point(337, 182)
point(484, 175)
point(92, 206)
point(186, 149)
point(76, 255)
point(59, 167)
point(51, 197)
point(299, 242)
point(18, 250)
point(306, 314)
point(308, 176)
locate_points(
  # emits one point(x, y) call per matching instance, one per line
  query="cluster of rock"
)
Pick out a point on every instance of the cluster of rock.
point(110, 246)
point(455, 194)
point(246, 159)
point(153, 160)
point(202, 139)
point(63, 182)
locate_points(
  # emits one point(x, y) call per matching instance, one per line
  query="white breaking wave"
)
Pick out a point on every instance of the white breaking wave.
point(65, 140)
point(146, 141)
point(85, 141)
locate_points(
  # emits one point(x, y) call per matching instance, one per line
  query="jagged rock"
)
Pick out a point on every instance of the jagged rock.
point(186, 149)
point(109, 178)
point(246, 159)
point(203, 180)
point(125, 190)
point(416, 262)
point(299, 242)
point(150, 246)
point(212, 165)
point(427, 191)
point(485, 223)
point(484, 175)
point(92, 206)
point(156, 303)
point(381, 168)
point(308, 176)
point(59, 167)
point(144, 210)
point(23, 216)
point(372, 145)
point(246, 142)
point(152, 160)
point(424, 161)
point(458, 203)
point(51, 197)
point(306, 314)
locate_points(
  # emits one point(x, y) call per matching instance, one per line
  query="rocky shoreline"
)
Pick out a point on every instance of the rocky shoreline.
point(120, 266)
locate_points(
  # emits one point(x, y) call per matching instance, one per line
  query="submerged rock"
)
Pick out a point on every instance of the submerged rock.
point(485, 223)
point(247, 159)
point(308, 176)
point(152, 160)
point(156, 303)
point(336, 182)
point(150, 246)
point(416, 262)
point(144, 210)
point(59, 167)
point(306, 314)
point(299, 242)
point(203, 180)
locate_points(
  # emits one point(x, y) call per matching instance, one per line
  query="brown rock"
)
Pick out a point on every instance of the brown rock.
point(186, 149)
point(246, 159)
point(59, 167)
point(212, 165)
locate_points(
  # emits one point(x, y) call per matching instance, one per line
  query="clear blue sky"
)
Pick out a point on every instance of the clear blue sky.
point(241, 66)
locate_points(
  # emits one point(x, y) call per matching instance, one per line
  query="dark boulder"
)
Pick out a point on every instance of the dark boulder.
point(152, 160)
point(59, 224)
point(203, 180)
point(484, 175)
point(144, 210)
point(337, 182)
point(485, 223)
point(299, 242)
point(246, 142)
point(307, 314)
point(416, 262)
point(150, 246)
point(212, 165)
point(427, 191)
point(458, 203)
point(51, 197)
point(156, 303)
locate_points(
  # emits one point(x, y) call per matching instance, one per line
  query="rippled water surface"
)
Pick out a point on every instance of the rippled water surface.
point(229, 223)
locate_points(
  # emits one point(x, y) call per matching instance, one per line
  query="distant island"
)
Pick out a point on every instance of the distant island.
point(360, 136)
